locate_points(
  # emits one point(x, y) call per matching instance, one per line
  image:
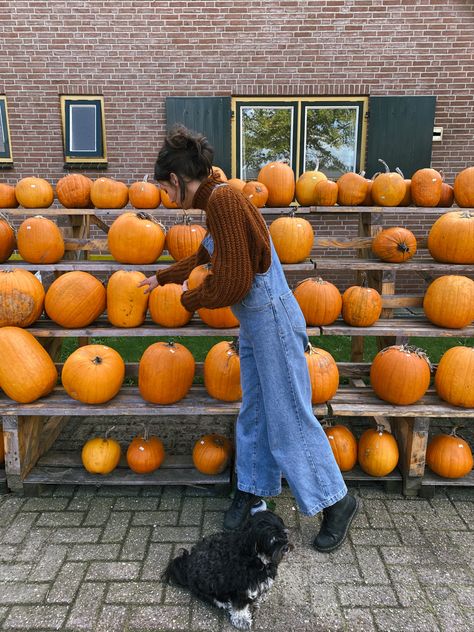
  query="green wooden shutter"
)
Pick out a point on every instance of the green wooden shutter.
point(210, 116)
point(400, 131)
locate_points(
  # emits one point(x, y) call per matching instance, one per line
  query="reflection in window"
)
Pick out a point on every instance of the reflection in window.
point(5, 146)
point(266, 134)
point(83, 133)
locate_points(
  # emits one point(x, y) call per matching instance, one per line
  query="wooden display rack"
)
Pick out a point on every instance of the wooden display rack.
point(31, 429)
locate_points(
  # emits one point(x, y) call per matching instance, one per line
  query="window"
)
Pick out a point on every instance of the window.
point(5, 145)
point(300, 131)
point(83, 124)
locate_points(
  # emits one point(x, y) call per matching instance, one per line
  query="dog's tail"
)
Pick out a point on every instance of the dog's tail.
point(177, 569)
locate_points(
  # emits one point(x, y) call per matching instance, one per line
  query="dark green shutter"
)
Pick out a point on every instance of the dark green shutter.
point(210, 116)
point(400, 131)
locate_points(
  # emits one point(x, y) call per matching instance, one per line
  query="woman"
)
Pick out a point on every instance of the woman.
point(276, 431)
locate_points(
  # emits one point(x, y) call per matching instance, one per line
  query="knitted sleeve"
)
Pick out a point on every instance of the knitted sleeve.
point(179, 271)
point(231, 261)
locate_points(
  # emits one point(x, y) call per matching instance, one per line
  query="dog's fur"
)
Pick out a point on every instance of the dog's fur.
point(234, 569)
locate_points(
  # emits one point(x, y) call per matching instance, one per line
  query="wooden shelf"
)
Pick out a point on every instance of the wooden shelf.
point(406, 326)
point(414, 265)
point(432, 479)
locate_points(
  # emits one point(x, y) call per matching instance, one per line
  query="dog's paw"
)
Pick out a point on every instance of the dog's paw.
point(241, 619)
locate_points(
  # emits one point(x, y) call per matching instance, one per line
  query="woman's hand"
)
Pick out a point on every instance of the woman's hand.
point(185, 287)
point(150, 283)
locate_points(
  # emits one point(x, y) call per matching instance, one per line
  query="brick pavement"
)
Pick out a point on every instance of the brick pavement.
point(83, 559)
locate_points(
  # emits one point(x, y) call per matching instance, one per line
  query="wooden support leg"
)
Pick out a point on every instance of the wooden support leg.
point(412, 437)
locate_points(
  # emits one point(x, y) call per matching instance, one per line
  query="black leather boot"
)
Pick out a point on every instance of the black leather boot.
point(239, 511)
point(336, 522)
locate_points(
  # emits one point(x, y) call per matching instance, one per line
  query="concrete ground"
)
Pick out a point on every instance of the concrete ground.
point(89, 559)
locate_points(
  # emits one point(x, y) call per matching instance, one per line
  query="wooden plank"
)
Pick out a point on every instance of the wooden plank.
point(357, 474)
point(431, 479)
point(412, 437)
point(427, 265)
point(73, 459)
point(412, 326)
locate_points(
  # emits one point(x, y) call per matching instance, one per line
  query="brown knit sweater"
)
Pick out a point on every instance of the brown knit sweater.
point(241, 249)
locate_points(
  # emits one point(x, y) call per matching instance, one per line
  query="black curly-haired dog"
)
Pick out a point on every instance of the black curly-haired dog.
point(234, 569)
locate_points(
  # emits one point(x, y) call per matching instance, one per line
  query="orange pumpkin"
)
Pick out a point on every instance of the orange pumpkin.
point(101, 455)
point(394, 244)
point(109, 193)
point(400, 374)
point(145, 454)
point(447, 195)
point(183, 238)
point(26, 370)
point(7, 239)
point(222, 371)
point(454, 378)
point(165, 373)
point(166, 201)
point(236, 183)
point(449, 301)
point(343, 445)
point(2, 447)
point(377, 452)
point(126, 303)
point(426, 187)
point(21, 298)
point(221, 317)
point(75, 299)
point(464, 188)
point(166, 308)
point(34, 193)
point(305, 186)
point(449, 455)
point(212, 453)
point(144, 194)
point(319, 300)
point(361, 305)
point(388, 189)
point(136, 238)
point(325, 193)
point(39, 240)
point(323, 374)
point(451, 238)
point(74, 191)
point(7, 196)
point(406, 200)
point(279, 179)
point(351, 189)
point(256, 192)
point(218, 173)
point(292, 237)
point(93, 374)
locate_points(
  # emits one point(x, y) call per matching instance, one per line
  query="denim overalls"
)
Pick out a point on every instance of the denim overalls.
point(276, 430)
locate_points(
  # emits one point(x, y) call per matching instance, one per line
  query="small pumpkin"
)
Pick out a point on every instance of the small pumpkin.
point(406, 200)
point(21, 298)
point(400, 374)
point(109, 193)
point(101, 455)
point(183, 238)
point(388, 189)
point(145, 453)
point(351, 189)
point(449, 301)
point(454, 378)
point(319, 300)
point(74, 191)
point(166, 200)
point(93, 374)
point(144, 194)
point(39, 240)
point(219, 173)
point(325, 193)
point(361, 305)
point(221, 317)
point(279, 179)
point(166, 308)
point(236, 183)
point(222, 371)
point(449, 455)
point(451, 238)
point(426, 187)
point(293, 238)
point(377, 452)
point(75, 299)
point(212, 453)
point(7, 239)
point(323, 374)
point(305, 186)
point(394, 245)
point(7, 196)
point(447, 195)
point(34, 193)
point(165, 372)
point(256, 192)
point(464, 188)
point(343, 445)
point(136, 238)
point(126, 302)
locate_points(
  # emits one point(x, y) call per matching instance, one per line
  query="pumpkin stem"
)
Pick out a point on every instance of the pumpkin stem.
point(97, 360)
point(316, 168)
point(5, 219)
point(170, 342)
point(380, 428)
point(362, 173)
point(364, 280)
point(387, 170)
point(146, 432)
point(376, 174)
point(442, 174)
point(235, 344)
point(145, 178)
point(106, 435)
point(403, 247)
point(400, 172)
point(421, 353)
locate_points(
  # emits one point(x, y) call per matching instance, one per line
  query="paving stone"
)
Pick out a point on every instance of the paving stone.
point(444, 576)
point(212, 522)
point(9, 553)
point(49, 564)
point(97, 552)
point(294, 618)
point(113, 570)
point(407, 555)
point(175, 534)
point(405, 620)
point(291, 587)
point(60, 519)
point(171, 499)
point(98, 512)
point(359, 620)
point(408, 530)
point(157, 557)
point(175, 595)
point(407, 587)
point(205, 618)
point(75, 535)
point(14, 572)
point(3, 612)
point(112, 619)
point(67, 583)
point(87, 605)
point(32, 547)
point(371, 565)
point(191, 511)
point(217, 503)
point(10, 505)
point(136, 504)
point(374, 537)
point(366, 596)
point(18, 528)
point(159, 618)
point(378, 516)
point(465, 595)
point(116, 527)
point(136, 543)
point(29, 617)
point(155, 518)
point(45, 504)
point(135, 592)
point(22, 592)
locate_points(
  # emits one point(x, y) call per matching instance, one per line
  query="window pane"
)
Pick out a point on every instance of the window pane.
point(83, 135)
point(331, 137)
point(3, 144)
point(266, 134)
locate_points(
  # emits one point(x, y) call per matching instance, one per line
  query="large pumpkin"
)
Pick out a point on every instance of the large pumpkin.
point(464, 188)
point(75, 299)
point(74, 191)
point(351, 189)
point(319, 300)
point(256, 192)
point(323, 374)
point(394, 245)
point(136, 238)
point(449, 455)
point(222, 371)
point(34, 193)
point(101, 455)
point(26, 370)
point(400, 374)
point(7, 196)
point(184, 238)
point(212, 453)
point(21, 298)
point(305, 186)
point(292, 237)
point(166, 308)
point(144, 194)
point(39, 240)
point(7, 239)
point(361, 305)
point(426, 187)
point(377, 452)
point(165, 373)
point(451, 238)
point(279, 179)
point(325, 193)
point(454, 378)
point(126, 303)
point(93, 374)
point(109, 193)
point(221, 317)
point(388, 189)
point(343, 445)
point(145, 453)
point(449, 301)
